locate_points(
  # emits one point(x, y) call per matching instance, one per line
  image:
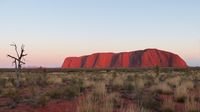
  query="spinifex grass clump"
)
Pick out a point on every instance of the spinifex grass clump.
point(129, 84)
point(168, 106)
point(2, 82)
point(180, 94)
point(162, 88)
point(69, 91)
point(14, 95)
point(117, 83)
point(191, 105)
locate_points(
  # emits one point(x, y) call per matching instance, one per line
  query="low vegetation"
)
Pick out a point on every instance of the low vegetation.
point(103, 91)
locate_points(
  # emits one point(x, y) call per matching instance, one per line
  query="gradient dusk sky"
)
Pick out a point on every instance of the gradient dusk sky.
point(54, 29)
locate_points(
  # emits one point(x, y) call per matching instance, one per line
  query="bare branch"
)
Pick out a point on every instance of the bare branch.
point(14, 45)
point(16, 59)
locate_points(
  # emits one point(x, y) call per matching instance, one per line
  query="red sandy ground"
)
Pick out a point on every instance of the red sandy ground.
point(52, 106)
point(70, 106)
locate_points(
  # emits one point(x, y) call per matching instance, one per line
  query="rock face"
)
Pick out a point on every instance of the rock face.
point(141, 58)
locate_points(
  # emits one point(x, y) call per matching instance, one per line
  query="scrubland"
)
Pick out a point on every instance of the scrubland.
point(101, 91)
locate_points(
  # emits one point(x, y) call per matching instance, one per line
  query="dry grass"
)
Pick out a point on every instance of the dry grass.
point(117, 83)
point(188, 84)
point(168, 105)
point(97, 93)
point(100, 89)
point(163, 88)
point(140, 83)
point(174, 81)
point(97, 101)
point(191, 105)
point(180, 93)
point(54, 80)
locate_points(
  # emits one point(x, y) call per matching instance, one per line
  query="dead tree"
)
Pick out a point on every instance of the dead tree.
point(18, 61)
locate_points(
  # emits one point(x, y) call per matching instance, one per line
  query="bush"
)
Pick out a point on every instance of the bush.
point(130, 78)
point(13, 94)
point(2, 82)
point(55, 94)
point(117, 83)
point(148, 101)
point(41, 80)
point(71, 92)
point(168, 106)
point(180, 94)
point(68, 92)
point(162, 88)
point(129, 87)
point(43, 100)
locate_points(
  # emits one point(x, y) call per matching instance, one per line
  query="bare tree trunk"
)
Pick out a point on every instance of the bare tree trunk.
point(18, 62)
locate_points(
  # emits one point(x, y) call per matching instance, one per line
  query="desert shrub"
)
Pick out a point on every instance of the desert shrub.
point(2, 82)
point(117, 83)
point(105, 103)
point(42, 100)
point(33, 91)
point(79, 82)
point(37, 79)
point(89, 84)
point(139, 83)
point(71, 92)
point(97, 78)
point(157, 70)
point(162, 88)
point(180, 94)
point(174, 82)
point(129, 87)
point(12, 81)
point(148, 101)
point(129, 108)
point(130, 78)
point(68, 92)
point(41, 80)
point(168, 106)
point(99, 90)
point(188, 84)
point(14, 95)
point(54, 80)
point(9, 84)
point(55, 93)
point(114, 75)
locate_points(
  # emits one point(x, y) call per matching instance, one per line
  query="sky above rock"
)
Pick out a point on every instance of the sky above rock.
point(54, 29)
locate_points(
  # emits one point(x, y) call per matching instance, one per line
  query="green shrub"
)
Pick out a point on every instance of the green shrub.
point(41, 80)
point(2, 82)
point(55, 94)
point(148, 101)
point(129, 87)
point(68, 92)
point(71, 91)
point(130, 78)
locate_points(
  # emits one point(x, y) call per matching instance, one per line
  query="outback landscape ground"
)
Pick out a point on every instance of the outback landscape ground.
point(125, 90)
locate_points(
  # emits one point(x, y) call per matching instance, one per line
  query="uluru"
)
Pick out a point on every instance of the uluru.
point(140, 58)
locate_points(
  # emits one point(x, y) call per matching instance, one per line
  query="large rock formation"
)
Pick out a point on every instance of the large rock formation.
point(141, 58)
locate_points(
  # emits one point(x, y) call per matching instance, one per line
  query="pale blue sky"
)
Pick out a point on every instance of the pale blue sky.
point(55, 29)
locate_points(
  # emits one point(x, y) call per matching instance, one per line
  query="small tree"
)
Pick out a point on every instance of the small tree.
point(18, 61)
